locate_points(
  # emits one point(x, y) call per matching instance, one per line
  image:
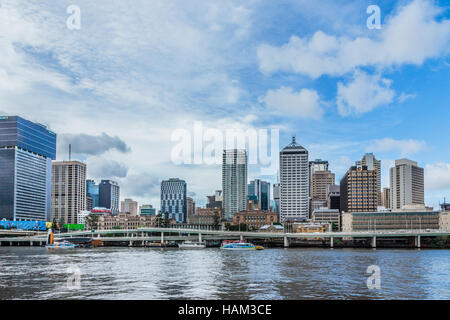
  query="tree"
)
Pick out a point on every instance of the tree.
point(92, 221)
point(216, 222)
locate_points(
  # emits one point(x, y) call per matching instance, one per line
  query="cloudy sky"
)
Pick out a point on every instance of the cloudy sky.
point(134, 72)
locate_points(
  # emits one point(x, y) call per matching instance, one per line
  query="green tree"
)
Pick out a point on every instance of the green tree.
point(216, 222)
point(92, 221)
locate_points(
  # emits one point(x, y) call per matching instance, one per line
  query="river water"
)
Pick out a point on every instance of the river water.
point(144, 273)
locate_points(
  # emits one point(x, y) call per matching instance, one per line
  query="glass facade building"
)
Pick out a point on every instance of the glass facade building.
point(173, 199)
point(92, 195)
point(109, 195)
point(26, 153)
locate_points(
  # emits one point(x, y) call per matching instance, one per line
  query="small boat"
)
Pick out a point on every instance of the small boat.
point(192, 245)
point(259, 247)
point(243, 246)
point(51, 244)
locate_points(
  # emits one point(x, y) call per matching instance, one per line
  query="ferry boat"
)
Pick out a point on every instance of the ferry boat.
point(237, 246)
point(192, 245)
point(51, 244)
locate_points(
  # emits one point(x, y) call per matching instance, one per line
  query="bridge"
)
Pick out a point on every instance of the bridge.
point(143, 235)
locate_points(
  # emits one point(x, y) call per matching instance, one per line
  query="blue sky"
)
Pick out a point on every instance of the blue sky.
point(135, 72)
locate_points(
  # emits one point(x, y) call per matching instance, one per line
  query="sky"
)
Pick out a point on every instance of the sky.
point(133, 73)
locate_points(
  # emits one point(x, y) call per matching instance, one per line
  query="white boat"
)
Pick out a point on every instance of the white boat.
point(238, 246)
point(192, 245)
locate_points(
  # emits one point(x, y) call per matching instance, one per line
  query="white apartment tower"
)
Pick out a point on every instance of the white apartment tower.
point(407, 184)
point(234, 182)
point(294, 182)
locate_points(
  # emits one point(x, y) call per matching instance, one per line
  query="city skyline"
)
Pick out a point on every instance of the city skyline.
point(374, 103)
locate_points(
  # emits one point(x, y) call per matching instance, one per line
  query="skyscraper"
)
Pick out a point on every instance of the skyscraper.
point(190, 207)
point(372, 163)
point(359, 190)
point(261, 190)
point(173, 199)
point(129, 206)
point(92, 195)
point(109, 195)
point(68, 190)
point(386, 198)
point(294, 181)
point(26, 153)
point(276, 197)
point(234, 182)
point(407, 184)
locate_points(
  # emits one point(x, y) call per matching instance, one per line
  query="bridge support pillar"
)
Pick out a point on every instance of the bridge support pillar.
point(417, 241)
point(199, 237)
point(331, 242)
point(242, 238)
point(130, 244)
point(374, 242)
point(10, 243)
point(162, 237)
point(286, 242)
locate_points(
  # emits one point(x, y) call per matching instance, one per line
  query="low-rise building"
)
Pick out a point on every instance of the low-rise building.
point(125, 221)
point(202, 220)
point(395, 220)
point(332, 216)
point(208, 212)
point(272, 228)
point(444, 220)
point(310, 227)
point(255, 219)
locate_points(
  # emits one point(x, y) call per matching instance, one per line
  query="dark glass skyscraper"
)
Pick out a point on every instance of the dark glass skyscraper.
point(109, 195)
point(173, 199)
point(26, 153)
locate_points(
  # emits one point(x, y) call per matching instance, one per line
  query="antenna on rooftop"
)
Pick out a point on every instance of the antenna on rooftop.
point(70, 152)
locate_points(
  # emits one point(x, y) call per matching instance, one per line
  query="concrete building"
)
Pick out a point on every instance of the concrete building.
point(317, 165)
point(320, 181)
point(190, 207)
point(202, 220)
point(81, 216)
point(407, 184)
point(386, 198)
point(208, 212)
point(358, 190)
point(109, 195)
point(215, 201)
point(325, 215)
point(372, 163)
point(261, 190)
point(402, 219)
point(26, 153)
point(255, 219)
point(294, 182)
point(334, 197)
point(68, 190)
point(234, 182)
point(173, 199)
point(129, 206)
point(272, 228)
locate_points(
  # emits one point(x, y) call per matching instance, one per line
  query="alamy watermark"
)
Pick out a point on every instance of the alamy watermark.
point(374, 280)
point(374, 20)
point(73, 22)
point(74, 277)
point(206, 145)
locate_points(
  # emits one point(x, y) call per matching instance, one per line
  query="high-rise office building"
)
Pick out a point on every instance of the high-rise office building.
point(276, 197)
point(215, 201)
point(372, 163)
point(317, 165)
point(359, 191)
point(334, 197)
point(68, 190)
point(147, 210)
point(320, 181)
point(294, 181)
point(109, 195)
point(173, 199)
point(26, 153)
point(190, 207)
point(386, 198)
point(129, 206)
point(261, 191)
point(92, 195)
point(234, 182)
point(407, 184)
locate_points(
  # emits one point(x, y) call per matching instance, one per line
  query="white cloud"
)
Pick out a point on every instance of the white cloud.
point(304, 103)
point(406, 96)
point(437, 176)
point(405, 147)
point(363, 94)
point(411, 36)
